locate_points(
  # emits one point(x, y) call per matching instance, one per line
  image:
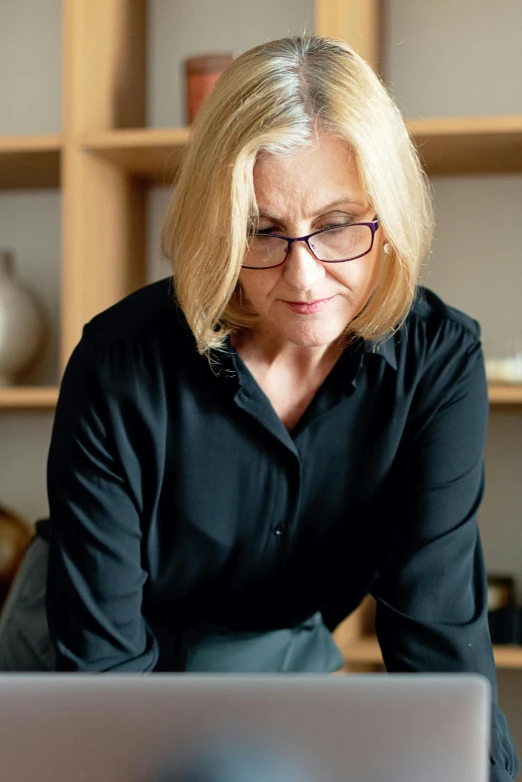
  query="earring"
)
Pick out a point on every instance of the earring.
point(387, 248)
point(240, 293)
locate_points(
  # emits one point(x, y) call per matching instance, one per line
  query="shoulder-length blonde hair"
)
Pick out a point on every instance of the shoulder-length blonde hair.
point(274, 98)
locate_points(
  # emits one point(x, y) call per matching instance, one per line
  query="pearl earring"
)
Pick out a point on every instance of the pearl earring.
point(387, 248)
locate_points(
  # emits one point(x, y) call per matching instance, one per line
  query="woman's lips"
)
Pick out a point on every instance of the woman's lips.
point(307, 308)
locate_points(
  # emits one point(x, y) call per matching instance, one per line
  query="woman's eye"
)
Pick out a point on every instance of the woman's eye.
point(266, 231)
point(329, 226)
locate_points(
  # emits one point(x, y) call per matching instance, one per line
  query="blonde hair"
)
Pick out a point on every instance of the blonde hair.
point(274, 98)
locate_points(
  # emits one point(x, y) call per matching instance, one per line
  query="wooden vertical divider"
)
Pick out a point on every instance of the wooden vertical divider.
point(356, 21)
point(103, 208)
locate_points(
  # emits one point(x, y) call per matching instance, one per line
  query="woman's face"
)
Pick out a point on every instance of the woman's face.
point(312, 188)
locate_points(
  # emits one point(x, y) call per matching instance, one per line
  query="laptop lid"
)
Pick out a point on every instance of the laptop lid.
point(239, 728)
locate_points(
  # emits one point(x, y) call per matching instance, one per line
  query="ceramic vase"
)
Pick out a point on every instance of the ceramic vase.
point(21, 323)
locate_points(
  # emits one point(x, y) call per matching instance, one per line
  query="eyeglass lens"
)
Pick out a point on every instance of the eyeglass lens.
point(335, 244)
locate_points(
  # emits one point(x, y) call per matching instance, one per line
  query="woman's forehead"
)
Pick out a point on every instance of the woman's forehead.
point(310, 179)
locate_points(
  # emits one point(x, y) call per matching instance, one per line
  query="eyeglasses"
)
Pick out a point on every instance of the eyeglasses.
point(337, 244)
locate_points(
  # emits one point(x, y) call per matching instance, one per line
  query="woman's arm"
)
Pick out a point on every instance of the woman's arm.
point(431, 589)
point(95, 581)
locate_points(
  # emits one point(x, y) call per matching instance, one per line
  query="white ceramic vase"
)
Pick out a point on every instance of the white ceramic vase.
point(21, 323)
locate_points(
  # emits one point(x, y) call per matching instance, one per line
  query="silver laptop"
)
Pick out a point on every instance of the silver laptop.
point(239, 728)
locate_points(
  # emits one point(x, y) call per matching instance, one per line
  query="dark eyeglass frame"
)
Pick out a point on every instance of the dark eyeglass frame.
point(373, 225)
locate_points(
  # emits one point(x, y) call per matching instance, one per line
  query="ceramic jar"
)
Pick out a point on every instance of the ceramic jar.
point(21, 323)
point(201, 73)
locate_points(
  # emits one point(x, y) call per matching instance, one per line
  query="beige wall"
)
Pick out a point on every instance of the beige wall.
point(30, 66)
point(454, 57)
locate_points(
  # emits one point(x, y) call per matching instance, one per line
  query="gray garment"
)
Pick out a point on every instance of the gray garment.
point(307, 648)
point(25, 644)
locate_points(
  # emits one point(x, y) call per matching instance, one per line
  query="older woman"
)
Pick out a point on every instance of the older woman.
point(245, 450)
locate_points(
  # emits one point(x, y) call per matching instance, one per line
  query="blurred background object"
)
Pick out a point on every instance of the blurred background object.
point(504, 615)
point(22, 324)
point(504, 363)
point(14, 538)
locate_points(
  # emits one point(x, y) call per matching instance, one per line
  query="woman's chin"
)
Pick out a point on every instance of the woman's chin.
point(310, 336)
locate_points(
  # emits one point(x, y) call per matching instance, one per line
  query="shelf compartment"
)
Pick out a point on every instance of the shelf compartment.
point(152, 155)
point(30, 161)
point(367, 651)
point(29, 397)
point(469, 145)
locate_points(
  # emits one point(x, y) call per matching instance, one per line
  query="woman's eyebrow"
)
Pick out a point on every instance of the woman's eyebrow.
point(327, 208)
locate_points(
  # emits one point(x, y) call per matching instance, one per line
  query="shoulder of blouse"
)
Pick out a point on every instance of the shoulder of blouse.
point(434, 312)
point(433, 333)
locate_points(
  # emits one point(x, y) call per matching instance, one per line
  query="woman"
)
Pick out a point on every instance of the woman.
point(242, 452)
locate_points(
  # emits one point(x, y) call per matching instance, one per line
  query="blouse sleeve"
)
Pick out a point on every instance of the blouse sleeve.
point(431, 587)
point(95, 580)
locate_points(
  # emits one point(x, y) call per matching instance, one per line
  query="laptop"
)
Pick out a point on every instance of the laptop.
point(244, 728)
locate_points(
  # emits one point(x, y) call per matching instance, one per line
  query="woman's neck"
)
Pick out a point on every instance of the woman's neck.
point(289, 375)
point(268, 353)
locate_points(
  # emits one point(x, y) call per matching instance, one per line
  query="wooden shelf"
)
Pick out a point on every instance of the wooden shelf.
point(46, 396)
point(448, 145)
point(368, 651)
point(469, 145)
point(30, 161)
point(152, 155)
point(508, 656)
point(24, 397)
point(505, 394)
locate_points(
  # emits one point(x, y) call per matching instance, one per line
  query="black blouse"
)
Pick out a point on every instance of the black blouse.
point(177, 495)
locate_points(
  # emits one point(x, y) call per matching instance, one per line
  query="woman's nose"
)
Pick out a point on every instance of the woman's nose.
point(302, 269)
